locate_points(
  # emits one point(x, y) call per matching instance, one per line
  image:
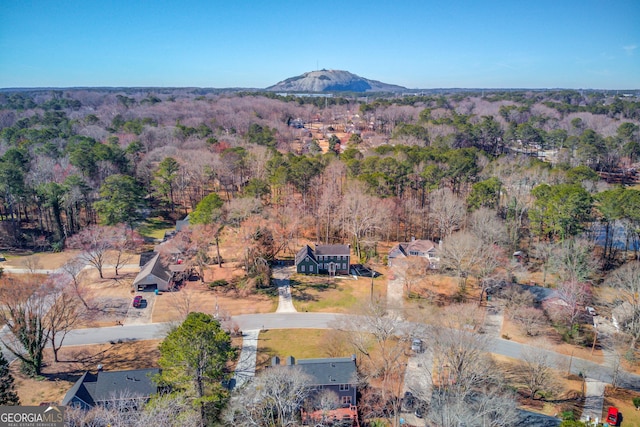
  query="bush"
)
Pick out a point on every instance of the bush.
point(217, 283)
point(636, 402)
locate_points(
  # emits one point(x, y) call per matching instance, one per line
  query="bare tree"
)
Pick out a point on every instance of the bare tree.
point(626, 280)
point(574, 260)
point(75, 269)
point(22, 308)
point(485, 224)
point(573, 297)
point(63, 315)
point(361, 214)
point(456, 376)
point(415, 272)
point(515, 298)
point(273, 398)
point(124, 244)
point(535, 373)
point(94, 242)
point(447, 210)
point(530, 319)
point(543, 252)
point(382, 340)
point(461, 252)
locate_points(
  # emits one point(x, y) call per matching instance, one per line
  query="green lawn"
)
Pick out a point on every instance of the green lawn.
point(324, 294)
point(155, 227)
point(299, 343)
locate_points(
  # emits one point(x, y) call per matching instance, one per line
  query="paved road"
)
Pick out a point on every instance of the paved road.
point(329, 321)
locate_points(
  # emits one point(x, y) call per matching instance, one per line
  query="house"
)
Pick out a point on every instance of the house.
point(159, 273)
point(337, 374)
point(324, 259)
point(416, 247)
point(105, 387)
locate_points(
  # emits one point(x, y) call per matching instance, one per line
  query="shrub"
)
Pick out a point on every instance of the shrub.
point(636, 402)
point(217, 283)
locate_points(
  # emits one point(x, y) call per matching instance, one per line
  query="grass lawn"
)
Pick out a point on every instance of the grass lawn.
point(155, 227)
point(299, 343)
point(331, 295)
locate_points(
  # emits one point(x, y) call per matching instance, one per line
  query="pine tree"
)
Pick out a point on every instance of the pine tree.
point(8, 395)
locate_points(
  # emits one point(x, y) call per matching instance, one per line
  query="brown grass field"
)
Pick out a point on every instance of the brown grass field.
point(57, 378)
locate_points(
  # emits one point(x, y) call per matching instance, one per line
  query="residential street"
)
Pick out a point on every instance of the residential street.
point(328, 320)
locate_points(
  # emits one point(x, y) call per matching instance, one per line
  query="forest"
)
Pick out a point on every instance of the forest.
point(333, 169)
point(504, 182)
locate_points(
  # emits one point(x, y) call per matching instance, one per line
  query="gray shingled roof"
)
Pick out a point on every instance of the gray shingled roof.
point(155, 267)
point(104, 386)
point(332, 250)
point(337, 370)
point(306, 250)
point(136, 382)
point(82, 389)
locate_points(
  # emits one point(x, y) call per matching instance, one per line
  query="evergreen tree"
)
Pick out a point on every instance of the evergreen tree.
point(8, 395)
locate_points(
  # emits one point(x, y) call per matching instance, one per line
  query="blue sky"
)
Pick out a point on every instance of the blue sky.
point(242, 43)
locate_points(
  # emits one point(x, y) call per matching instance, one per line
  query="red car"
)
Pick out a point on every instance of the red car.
point(137, 301)
point(612, 416)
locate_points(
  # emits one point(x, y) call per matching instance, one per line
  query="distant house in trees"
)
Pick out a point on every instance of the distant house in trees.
point(324, 259)
point(416, 247)
point(337, 374)
point(105, 388)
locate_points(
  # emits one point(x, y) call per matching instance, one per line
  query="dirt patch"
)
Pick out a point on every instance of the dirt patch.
point(58, 378)
point(510, 330)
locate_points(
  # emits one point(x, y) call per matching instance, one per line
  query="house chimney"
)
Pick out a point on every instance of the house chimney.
point(353, 357)
point(291, 361)
point(275, 361)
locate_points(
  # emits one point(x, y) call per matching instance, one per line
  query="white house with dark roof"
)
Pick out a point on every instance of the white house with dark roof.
point(324, 259)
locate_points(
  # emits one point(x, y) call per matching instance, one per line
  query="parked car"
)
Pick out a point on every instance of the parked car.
point(613, 416)
point(416, 345)
point(137, 301)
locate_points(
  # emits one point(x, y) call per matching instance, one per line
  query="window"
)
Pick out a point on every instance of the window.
point(344, 266)
point(346, 400)
point(344, 387)
point(310, 269)
point(302, 268)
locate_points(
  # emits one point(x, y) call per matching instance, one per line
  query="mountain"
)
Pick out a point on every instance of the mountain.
point(332, 81)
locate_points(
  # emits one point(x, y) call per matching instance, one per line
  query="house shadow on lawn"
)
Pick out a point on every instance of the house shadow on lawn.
point(113, 357)
point(306, 292)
